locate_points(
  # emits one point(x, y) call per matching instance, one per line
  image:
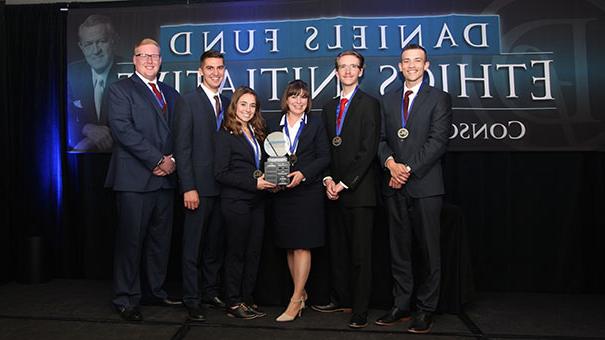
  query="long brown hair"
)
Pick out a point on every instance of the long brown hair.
point(233, 125)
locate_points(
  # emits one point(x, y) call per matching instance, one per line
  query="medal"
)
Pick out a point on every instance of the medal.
point(257, 174)
point(336, 141)
point(292, 159)
point(403, 133)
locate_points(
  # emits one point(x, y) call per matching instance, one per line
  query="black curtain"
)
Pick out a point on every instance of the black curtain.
point(35, 45)
point(535, 220)
point(5, 236)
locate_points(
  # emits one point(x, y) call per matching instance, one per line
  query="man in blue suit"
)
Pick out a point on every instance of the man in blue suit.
point(198, 116)
point(141, 172)
point(415, 129)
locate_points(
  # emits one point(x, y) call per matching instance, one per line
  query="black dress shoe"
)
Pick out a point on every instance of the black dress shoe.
point(358, 320)
point(422, 323)
point(254, 309)
point(331, 307)
point(129, 313)
point(196, 313)
point(215, 303)
point(166, 302)
point(241, 311)
point(394, 316)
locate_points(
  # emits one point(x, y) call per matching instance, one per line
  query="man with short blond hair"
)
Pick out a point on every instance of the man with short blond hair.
point(141, 172)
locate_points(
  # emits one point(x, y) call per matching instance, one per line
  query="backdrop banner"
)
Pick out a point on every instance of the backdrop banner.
point(523, 75)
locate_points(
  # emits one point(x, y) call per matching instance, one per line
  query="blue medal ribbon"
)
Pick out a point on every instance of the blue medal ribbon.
point(255, 147)
point(300, 128)
point(403, 121)
point(344, 114)
point(219, 120)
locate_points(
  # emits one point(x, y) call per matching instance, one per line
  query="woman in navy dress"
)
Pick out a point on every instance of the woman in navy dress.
point(237, 168)
point(299, 207)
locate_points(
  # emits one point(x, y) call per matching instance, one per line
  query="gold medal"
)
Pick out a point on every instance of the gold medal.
point(403, 133)
point(336, 141)
point(292, 159)
point(257, 173)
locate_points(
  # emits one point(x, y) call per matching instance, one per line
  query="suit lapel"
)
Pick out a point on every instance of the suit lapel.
point(418, 103)
point(142, 88)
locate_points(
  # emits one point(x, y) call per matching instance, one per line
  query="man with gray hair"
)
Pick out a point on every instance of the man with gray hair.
point(87, 81)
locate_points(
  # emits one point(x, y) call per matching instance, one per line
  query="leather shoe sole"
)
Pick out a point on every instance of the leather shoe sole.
point(331, 308)
point(394, 316)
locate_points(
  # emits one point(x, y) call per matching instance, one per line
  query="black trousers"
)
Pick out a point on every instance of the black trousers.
point(203, 251)
point(415, 220)
point(142, 245)
point(244, 223)
point(350, 240)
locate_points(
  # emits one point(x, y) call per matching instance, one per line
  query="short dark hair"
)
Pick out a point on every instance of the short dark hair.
point(211, 54)
point(415, 47)
point(294, 88)
point(349, 52)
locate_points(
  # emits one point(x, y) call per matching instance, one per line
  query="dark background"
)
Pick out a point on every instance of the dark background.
point(535, 221)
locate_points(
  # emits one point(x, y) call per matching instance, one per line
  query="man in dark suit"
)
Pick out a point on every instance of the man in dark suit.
point(86, 84)
point(415, 128)
point(198, 116)
point(353, 125)
point(140, 114)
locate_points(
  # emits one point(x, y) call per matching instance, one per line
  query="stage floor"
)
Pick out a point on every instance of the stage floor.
point(80, 309)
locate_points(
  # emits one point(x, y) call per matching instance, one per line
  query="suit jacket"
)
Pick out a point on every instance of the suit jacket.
point(80, 99)
point(194, 140)
point(354, 161)
point(429, 126)
point(141, 133)
point(234, 166)
point(313, 150)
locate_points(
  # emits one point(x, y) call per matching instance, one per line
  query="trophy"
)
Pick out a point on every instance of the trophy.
point(277, 166)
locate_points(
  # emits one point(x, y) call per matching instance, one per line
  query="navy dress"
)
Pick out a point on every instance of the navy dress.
point(298, 213)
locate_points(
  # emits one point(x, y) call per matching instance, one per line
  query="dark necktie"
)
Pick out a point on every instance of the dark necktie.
point(158, 95)
point(343, 104)
point(217, 105)
point(406, 104)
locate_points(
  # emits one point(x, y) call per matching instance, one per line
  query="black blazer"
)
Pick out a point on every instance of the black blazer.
point(354, 161)
point(429, 126)
point(141, 133)
point(234, 166)
point(313, 151)
point(194, 142)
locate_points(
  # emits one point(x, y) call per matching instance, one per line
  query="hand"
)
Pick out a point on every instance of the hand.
point(191, 199)
point(100, 135)
point(168, 165)
point(399, 172)
point(261, 184)
point(159, 172)
point(296, 177)
point(394, 184)
point(331, 190)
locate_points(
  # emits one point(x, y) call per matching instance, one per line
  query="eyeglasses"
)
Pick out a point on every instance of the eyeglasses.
point(349, 67)
point(154, 57)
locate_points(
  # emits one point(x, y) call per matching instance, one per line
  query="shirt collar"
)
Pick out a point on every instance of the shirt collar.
point(282, 122)
point(209, 92)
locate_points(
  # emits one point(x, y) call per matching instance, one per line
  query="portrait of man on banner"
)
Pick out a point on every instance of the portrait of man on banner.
point(87, 79)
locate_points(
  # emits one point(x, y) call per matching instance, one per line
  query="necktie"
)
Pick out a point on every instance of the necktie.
point(158, 96)
point(343, 104)
point(217, 105)
point(406, 104)
point(99, 86)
